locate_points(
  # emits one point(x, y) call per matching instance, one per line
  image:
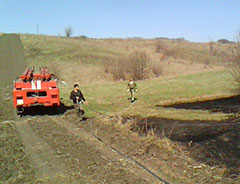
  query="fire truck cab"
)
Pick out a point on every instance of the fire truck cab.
point(36, 86)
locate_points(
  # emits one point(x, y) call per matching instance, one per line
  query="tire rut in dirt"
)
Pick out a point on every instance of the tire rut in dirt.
point(49, 167)
point(81, 158)
point(110, 153)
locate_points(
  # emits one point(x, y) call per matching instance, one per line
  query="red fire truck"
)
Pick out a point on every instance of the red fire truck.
point(36, 86)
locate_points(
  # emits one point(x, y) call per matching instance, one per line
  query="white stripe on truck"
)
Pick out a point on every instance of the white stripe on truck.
point(33, 85)
point(39, 86)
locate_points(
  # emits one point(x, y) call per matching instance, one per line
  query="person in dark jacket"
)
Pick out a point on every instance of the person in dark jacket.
point(78, 99)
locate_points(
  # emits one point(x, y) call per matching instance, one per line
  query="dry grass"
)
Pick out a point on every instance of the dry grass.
point(87, 57)
point(174, 161)
point(235, 61)
point(135, 66)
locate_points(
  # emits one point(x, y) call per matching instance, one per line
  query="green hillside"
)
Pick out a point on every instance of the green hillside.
point(189, 71)
point(84, 60)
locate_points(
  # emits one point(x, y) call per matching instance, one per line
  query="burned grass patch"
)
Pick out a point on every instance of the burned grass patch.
point(215, 144)
point(180, 130)
point(225, 105)
point(222, 151)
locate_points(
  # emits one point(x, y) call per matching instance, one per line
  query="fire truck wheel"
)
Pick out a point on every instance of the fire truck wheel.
point(20, 111)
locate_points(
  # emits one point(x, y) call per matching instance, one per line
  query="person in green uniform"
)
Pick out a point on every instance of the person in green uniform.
point(132, 88)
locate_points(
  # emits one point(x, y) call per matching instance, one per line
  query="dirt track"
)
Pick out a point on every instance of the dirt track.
point(41, 154)
point(60, 151)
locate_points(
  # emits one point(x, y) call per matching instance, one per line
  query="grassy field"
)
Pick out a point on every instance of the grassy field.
point(190, 71)
point(111, 98)
point(15, 164)
point(12, 64)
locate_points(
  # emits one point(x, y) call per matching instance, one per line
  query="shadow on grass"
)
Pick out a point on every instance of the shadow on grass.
point(223, 151)
point(42, 110)
point(225, 105)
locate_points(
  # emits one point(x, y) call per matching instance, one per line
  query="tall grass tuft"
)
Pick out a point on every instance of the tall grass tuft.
point(235, 61)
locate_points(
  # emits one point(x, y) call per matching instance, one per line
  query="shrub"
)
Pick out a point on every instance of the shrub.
point(212, 50)
point(224, 41)
point(157, 69)
point(68, 31)
point(136, 66)
point(159, 46)
point(235, 61)
point(167, 52)
point(139, 62)
point(120, 70)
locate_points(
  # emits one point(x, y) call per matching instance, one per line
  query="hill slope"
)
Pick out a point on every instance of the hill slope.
point(83, 60)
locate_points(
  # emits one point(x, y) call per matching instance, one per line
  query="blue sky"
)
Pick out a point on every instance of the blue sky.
point(195, 20)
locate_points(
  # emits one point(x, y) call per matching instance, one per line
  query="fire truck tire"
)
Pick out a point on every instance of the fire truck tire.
point(20, 111)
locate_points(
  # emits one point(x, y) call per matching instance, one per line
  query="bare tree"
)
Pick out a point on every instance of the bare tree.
point(68, 31)
point(136, 65)
point(157, 69)
point(139, 62)
point(132, 66)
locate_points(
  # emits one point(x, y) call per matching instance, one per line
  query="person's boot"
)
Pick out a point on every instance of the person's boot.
point(132, 99)
point(82, 112)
